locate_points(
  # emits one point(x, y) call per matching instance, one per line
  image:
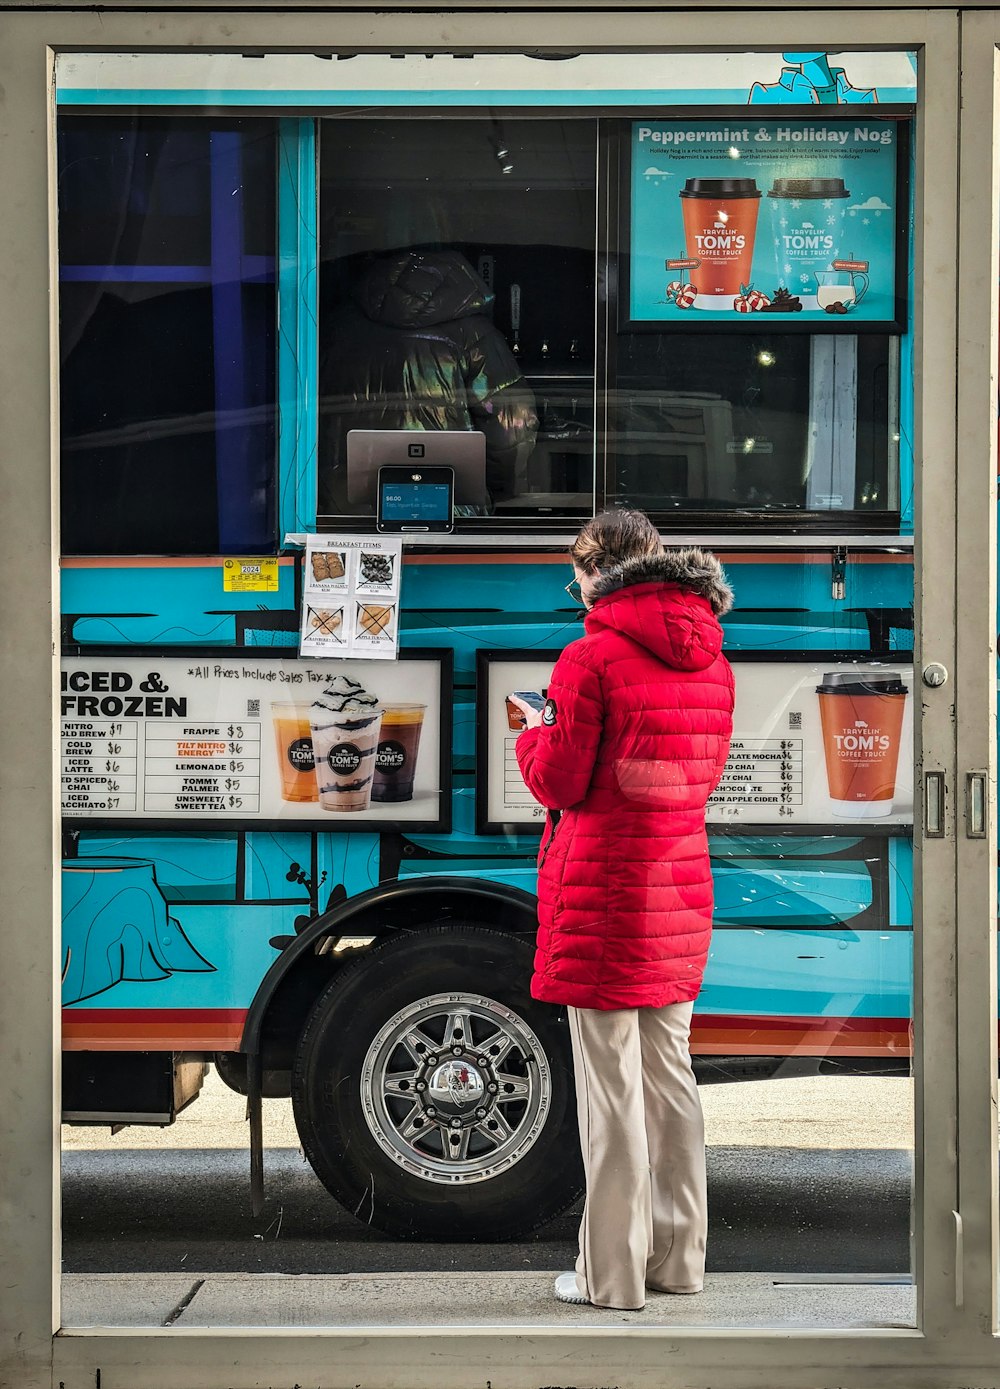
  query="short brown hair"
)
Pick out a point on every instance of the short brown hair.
point(612, 537)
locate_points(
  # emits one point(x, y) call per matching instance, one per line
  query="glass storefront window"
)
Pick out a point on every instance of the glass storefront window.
point(167, 334)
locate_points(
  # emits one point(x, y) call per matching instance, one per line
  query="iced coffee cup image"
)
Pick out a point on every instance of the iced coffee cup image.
point(345, 721)
point(720, 224)
point(861, 714)
point(396, 754)
point(296, 765)
point(806, 218)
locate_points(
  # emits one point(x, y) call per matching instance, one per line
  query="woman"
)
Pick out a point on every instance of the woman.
point(417, 348)
point(629, 746)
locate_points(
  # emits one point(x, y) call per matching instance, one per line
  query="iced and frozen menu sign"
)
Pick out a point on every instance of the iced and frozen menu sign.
point(235, 739)
point(765, 222)
point(825, 743)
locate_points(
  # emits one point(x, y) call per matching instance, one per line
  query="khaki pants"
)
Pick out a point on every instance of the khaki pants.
point(643, 1138)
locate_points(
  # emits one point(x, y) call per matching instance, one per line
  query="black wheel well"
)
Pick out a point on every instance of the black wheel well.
point(288, 1002)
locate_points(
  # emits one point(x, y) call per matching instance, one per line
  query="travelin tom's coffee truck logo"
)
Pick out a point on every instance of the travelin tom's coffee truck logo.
point(344, 759)
point(390, 758)
point(862, 741)
point(300, 755)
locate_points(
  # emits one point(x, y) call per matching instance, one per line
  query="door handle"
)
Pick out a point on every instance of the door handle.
point(934, 805)
point(976, 805)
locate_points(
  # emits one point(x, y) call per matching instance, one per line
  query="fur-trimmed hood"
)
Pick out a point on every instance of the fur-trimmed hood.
point(692, 569)
point(668, 603)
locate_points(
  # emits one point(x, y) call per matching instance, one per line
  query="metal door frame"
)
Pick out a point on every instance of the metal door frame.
point(954, 1261)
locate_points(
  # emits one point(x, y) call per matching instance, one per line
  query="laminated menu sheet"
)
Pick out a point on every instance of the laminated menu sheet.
point(350, 597)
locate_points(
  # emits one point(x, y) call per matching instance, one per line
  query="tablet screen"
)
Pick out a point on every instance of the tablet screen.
point(416, 498)
point(424, 502)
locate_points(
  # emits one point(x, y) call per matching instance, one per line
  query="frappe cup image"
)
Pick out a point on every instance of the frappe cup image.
point(396, 755)
point(293, 736)
point(861, 714)
point(345, 719)
point(807, 225)
point(720, 223)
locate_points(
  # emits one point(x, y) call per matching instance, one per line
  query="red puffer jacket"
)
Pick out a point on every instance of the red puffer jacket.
point(634, 737)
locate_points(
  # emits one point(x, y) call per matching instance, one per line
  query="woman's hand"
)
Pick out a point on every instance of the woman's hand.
point(532, 717)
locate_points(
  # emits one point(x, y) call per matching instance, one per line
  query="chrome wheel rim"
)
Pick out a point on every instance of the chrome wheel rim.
point(456, 1088)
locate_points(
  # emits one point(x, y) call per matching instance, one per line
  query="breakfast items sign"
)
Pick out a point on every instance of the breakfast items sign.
point(775, 222)
point(350, 597)
point(243, 740)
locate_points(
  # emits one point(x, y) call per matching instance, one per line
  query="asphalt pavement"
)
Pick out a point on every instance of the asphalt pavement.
point(805, 1177)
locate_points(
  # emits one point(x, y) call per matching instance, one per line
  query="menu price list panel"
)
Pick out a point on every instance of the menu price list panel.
point(235, 739)
point(185, 766)
point(816, 742)
point(518, 802)
point(762, 773)
point(202, 767)
point(99, 765)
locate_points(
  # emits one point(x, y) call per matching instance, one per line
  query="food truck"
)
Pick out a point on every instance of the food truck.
point(296, 842)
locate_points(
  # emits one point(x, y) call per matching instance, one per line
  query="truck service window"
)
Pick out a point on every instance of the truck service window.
point(457, 292)
point(167, 341)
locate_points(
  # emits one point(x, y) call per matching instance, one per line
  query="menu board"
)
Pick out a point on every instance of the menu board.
point(233, 739)
point(502, 799)
point(816, 741)
point(768, 222)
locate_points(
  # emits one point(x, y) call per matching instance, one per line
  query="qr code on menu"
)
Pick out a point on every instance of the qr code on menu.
point(794, 718)
point(253, 708)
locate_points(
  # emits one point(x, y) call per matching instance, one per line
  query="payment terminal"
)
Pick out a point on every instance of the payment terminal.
point(413, 499)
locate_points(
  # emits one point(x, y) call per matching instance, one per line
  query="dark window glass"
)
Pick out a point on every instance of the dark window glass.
point(767, 423)
point(167, 335)
point(458, 293)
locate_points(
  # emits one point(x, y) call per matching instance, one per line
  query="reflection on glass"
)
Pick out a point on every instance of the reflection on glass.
point(457, 293)
point(764, 423)
point(167, 305)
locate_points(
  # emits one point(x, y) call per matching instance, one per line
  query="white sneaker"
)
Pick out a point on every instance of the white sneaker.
point(568, 1291)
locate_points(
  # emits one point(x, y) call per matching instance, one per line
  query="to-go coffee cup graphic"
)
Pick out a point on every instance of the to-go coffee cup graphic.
point(720, 223)
point(807, 231)
point(861, 713)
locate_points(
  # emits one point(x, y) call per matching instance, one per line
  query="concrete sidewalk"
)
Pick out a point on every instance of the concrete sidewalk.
point(435, 1300)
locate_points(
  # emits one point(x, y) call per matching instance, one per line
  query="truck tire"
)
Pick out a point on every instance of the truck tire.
point(433, 1096)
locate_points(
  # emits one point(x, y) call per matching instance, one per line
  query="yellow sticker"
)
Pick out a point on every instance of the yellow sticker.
point(250, 575)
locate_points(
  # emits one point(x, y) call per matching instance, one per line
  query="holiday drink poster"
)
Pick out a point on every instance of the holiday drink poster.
point(766, 223)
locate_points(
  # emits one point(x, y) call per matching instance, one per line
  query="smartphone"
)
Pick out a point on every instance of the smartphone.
point(515, 716)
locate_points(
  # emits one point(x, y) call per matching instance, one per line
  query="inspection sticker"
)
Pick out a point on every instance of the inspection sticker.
point(250, 575)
